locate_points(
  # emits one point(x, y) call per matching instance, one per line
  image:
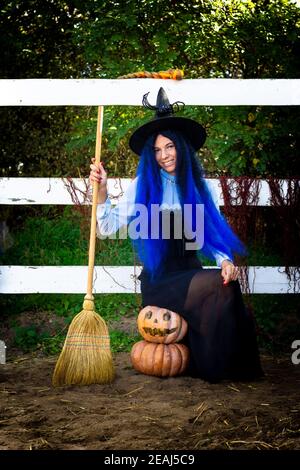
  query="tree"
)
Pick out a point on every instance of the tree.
point(36, 38)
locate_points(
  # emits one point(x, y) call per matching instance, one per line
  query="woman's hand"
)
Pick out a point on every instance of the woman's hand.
point(229, 271)
point(98, 174)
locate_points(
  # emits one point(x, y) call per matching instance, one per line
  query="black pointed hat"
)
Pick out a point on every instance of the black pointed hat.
point(163, 120)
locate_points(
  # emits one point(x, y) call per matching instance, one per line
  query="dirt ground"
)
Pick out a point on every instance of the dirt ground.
point(143, 412)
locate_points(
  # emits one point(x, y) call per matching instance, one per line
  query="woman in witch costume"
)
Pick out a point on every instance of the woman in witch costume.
point(221, 334)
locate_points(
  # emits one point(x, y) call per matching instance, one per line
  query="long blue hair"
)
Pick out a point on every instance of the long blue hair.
point(192, 189)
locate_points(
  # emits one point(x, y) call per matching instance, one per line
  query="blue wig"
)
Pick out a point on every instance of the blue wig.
point(192, 189)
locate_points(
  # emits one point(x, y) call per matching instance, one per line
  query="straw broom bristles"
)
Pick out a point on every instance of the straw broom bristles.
point(86, 357)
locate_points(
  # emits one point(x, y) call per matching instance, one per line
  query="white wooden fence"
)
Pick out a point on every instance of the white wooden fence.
point(44, 92)
point(210, 92)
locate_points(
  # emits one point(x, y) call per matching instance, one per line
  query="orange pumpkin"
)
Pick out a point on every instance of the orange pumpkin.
point(159, 325)
point(162, 360)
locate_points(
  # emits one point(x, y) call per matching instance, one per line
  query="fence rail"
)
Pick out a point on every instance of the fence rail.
point(113, 279)
point(31, 191)
point(205, 92)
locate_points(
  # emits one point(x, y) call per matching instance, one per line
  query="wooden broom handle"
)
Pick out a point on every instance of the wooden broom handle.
point(94, 207)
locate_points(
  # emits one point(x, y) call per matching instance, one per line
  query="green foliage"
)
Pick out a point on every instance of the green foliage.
point(28, 338)
point(119, 342)
point(122, 342)
point(50, 237)
point(242, 39)
point(49, 241)
point(49, 337)
point(62, 305)
point(254, 141)
point(111, 307)
point(52, 345)
point(38, 34)
point(277, 319)
point(118, 122)
point(36, 39)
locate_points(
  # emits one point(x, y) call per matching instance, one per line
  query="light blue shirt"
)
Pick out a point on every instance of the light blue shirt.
point(110, 218)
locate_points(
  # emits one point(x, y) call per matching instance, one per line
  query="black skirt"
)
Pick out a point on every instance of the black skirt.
point(221, 330)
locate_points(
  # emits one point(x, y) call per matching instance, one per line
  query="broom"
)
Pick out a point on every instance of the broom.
point(86, 356)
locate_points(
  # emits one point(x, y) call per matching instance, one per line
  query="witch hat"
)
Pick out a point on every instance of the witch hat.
point(163, 120)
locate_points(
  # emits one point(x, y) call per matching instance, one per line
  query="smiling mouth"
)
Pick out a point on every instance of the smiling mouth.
point(159, 331)
point(170, 162)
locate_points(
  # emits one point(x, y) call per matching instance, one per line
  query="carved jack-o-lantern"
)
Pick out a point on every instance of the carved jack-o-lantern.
point(162, 360)
point(159, 325)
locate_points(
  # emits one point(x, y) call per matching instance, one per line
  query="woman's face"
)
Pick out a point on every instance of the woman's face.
point(165, 154)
